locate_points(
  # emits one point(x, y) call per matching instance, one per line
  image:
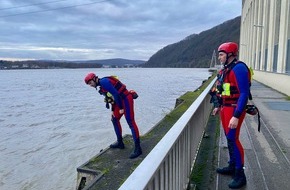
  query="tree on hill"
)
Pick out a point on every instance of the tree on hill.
point(196, 50)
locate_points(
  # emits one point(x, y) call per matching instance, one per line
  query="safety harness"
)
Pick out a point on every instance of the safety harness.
point(120, 87)
point(230, 92)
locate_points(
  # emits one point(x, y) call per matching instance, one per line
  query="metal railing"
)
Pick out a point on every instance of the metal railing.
point(168, 166)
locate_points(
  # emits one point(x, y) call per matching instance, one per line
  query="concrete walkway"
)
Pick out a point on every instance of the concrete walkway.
point(267, 153)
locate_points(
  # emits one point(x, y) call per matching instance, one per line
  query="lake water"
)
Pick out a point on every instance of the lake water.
point(51, 122)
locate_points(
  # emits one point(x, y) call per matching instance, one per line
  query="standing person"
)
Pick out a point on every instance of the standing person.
point(230, 99)
point(121, 99)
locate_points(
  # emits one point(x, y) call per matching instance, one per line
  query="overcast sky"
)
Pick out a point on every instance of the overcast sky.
point(103, 29)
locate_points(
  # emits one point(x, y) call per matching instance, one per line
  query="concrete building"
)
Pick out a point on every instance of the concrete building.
point(265, 41)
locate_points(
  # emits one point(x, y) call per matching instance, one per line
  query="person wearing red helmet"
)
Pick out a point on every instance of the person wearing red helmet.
point(230, 99)
point(122, 103)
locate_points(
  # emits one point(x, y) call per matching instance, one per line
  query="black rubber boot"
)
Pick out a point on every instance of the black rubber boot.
point(119, 144)
point(229, 170)
point(239, 179)
point(137, 150)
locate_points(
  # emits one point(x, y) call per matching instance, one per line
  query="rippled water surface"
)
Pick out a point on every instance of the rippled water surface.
point(51, 122)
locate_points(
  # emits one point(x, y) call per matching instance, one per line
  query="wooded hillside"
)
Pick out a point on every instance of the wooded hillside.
point(196, 50)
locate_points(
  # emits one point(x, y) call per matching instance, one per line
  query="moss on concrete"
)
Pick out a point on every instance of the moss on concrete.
point(203, 173)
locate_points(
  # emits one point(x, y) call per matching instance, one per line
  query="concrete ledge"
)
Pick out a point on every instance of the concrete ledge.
point(110, 168)
point(86, 177)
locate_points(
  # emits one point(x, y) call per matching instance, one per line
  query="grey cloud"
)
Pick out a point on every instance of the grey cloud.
point(105, 29)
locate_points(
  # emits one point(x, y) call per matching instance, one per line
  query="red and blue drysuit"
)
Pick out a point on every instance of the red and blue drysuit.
point(122, 99)
point(233, 88)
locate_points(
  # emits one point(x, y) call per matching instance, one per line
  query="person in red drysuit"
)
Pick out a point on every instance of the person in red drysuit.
point(230, 98)
point(121, 99)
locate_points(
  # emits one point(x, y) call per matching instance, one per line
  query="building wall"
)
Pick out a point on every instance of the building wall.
point(276, 81)
point(265, 41)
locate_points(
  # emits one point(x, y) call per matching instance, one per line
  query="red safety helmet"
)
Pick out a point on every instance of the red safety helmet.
point(229, 47)
point(89, 77)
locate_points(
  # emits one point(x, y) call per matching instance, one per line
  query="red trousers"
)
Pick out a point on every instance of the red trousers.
point(236, 150)
point(128, 106)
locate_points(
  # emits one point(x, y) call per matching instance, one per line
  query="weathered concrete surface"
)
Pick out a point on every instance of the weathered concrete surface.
point(111, 167)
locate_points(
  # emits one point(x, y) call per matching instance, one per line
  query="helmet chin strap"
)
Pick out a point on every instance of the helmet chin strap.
point(96, 81)
point(227, 60)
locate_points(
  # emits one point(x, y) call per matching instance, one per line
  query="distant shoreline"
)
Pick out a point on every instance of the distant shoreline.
point(50, 64)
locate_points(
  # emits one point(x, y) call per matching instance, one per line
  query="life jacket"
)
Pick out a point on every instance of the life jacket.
point(118, 85)
point(229, 92)
point(227, 89)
